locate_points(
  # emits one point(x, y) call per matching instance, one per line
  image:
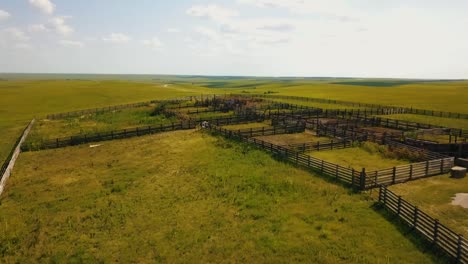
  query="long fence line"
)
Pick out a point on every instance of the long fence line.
point(455, 245)
point(7, 166)
point(118, 107)
point(134, 132)
point(407, 110)
point(320, 145)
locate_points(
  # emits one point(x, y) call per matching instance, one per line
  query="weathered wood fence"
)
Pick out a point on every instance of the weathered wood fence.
point(399, 110)
point(347, 176)
point(7, 167)
point(134, 132)
point(455, 245)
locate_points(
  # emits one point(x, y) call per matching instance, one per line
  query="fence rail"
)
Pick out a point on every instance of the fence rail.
point(455, 245)
point(133, 132)
point(9, 163)
point(320, 145)
point(406, 110)
point(345, 175)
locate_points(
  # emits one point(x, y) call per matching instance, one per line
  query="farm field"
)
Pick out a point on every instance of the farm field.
point(23, 99)
point(358, 158)
point(121, 201)
point(434, 196)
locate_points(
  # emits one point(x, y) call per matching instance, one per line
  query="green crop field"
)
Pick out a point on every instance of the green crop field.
point(123, 201)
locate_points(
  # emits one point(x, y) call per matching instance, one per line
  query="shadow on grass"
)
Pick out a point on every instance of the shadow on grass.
point(437, 254)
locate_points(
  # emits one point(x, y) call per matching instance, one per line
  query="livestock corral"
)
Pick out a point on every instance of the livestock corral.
point(355, 148)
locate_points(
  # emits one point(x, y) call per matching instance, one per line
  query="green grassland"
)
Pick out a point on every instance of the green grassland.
point(439, 96)
point(207, 200)
point(95, 123)
point(434, 196)
point(23, 99)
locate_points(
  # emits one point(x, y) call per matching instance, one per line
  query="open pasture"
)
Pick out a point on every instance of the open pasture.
point(122, 201)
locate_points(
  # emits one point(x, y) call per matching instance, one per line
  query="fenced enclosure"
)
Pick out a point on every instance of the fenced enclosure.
point(434, 164)
point(134, 132)
point(455, 245)
point(347, 176)
point(320, 145)
point(396, 109)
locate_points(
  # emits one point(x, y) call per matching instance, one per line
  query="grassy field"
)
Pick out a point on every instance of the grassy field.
point(23, 99)
point(357, 158)
point(100, 122)
point(434, 196)
point(440, 96)
point(122, 201)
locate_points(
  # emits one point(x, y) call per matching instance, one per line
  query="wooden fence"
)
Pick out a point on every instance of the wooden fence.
point(133, 132)
point(115, 107)
point(320, 145)
point(434, 163)
point(348, 176)
point(408, 172)
point(455, 245)
point(9, 163)
point(267, 131)
point(401, 110)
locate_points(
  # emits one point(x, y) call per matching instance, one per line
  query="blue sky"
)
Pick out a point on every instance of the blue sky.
point(356, 38)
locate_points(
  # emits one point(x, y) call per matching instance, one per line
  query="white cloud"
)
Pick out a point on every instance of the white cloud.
point(23, 46)
point(173, 30)
point(46, 6)
point(213, 12)
point(331, 9)
point(16, 34)
point(71, 43)
point(60, 25)
point(154, 43)
point(4, 15)
point(36, 28)
point(117, 38)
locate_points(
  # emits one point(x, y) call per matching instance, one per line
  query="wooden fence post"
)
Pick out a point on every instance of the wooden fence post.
point(399, 205)
point(411, 171)
point(394, 175)
point(308, 161)
point(436, 231)
point(427, 168)
point(362, 179)
point(459, 248)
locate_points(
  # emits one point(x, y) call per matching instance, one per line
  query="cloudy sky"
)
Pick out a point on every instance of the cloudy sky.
point(359, 38)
